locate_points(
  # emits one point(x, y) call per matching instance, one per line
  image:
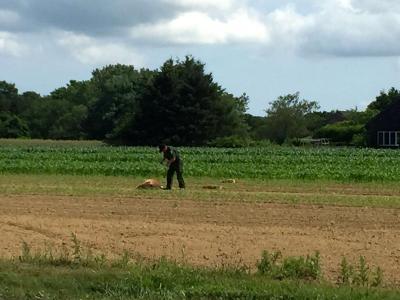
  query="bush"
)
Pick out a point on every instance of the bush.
point(308, 268)
point(341, 132)
point(233, 141)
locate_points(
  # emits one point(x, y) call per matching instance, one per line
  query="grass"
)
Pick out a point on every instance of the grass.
point(73, 275)
point(273, 191)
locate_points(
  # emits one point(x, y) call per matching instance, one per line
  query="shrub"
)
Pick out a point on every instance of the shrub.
point(360, 275)
point(233, 141)
point(341, 132)
point(308, 268)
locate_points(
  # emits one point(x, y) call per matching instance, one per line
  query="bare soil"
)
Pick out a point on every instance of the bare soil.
point(207, 233)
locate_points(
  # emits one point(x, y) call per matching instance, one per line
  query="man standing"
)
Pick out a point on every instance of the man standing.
point(174, 163)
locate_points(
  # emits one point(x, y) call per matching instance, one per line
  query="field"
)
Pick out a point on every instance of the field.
point(339, 202)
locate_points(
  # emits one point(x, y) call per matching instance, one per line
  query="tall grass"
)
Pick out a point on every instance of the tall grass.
point(38, 276)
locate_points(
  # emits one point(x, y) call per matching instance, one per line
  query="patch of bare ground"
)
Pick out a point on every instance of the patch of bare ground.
point(209, 233)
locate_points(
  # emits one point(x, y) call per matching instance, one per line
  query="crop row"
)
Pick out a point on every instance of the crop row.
point(344, 164)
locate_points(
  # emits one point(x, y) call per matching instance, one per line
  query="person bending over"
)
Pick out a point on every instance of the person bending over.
point(174, 163)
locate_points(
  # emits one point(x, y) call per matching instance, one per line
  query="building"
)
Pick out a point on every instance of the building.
point(384, 129)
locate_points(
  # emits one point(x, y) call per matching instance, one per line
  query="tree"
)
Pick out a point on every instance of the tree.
point(8, 97)
point(11, 126)
point(114, 98)
point(183, 105)
point(318, 119)
point(384, 99)
point(286, 118)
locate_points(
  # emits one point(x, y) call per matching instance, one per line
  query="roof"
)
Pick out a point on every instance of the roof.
point(388, 119)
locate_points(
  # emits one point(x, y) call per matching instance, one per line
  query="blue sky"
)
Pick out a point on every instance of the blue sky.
point(340, 53)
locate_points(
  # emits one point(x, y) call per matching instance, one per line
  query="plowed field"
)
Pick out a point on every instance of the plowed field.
point(211, 233)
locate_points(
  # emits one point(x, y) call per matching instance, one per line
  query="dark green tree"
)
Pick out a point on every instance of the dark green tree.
point(183, 105)
point(8, 97)
point(384, 99)
point(71, 102)
point(115, 92)
point(286, 118)
point(11, 126)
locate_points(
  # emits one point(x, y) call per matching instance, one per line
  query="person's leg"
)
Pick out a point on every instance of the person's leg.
point(179, 175)
point(170, 175)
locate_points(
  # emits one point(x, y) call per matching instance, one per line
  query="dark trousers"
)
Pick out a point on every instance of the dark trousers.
point(178, 168)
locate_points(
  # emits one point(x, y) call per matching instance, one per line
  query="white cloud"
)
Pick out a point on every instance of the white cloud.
point(199, 28)
point(353, 30)
point(11, 45)
point(338, 27)
point(204, 4)
point(90, 51)
point(312, 27)
point(288, 27)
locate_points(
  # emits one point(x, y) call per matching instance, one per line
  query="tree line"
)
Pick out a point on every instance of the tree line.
point(179, 104)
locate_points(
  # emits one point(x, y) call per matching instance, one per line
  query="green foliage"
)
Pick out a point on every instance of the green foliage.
point(385, 99)
point(12, 126)
point(290, 267)
point(342, 132)
point(346, 272)
point(318, 119)
point(268, 263)
point(261, 162)
point(360, 275)
point(76, 247)
point(115, 88)
point(183, 105)
point(8, 97)
point(286, 118)
point(231, 142)
point(160, 279)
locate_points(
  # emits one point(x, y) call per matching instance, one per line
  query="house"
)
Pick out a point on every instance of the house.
point(384, 129)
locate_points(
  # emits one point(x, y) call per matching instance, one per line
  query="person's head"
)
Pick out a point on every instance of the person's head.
point(162, 147)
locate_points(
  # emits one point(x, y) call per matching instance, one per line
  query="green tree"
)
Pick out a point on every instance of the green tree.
point(71, 102)
point(286, 118)
point(8, 97)
point(11, 126)
point(384, 99)
point(115, 92)
point(183, 105)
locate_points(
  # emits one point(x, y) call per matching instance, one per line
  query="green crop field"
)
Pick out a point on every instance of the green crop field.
point(50, 189)
point(273, 162)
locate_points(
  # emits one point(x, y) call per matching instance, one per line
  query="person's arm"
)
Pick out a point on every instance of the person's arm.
point(172, 159)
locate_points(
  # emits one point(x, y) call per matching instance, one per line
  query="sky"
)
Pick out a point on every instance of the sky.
point(340, 53)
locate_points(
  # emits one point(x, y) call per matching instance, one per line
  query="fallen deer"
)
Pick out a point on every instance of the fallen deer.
point(150, 184)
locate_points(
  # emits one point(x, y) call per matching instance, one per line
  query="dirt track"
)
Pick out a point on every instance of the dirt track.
point(205, 232)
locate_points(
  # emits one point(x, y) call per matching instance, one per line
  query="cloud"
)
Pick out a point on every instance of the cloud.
point(100, 17)
point(8, 17)
point(199, 28)
point(352, 28)
point(288, 28)
point(204, 4)
point(90, 51)
point(338, 28)
point(305, 27)
point(11, 45)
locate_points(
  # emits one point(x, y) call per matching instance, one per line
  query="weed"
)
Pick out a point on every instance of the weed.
point(25, 253)
point(360, 275)
point(346, 272)
point(378, 278)
point(363, 272)
point(267, 264)
point(76, 248)
point(308, 268)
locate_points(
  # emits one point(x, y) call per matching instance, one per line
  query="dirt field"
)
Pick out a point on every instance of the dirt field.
point(204, 232)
